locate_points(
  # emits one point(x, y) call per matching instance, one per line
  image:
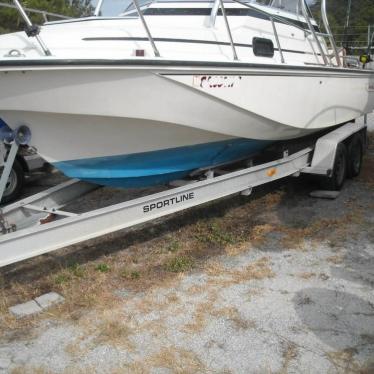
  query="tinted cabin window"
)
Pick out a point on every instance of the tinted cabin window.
point(263, 47)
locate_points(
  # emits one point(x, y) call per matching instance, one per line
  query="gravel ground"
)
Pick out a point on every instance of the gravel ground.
point(298, 297)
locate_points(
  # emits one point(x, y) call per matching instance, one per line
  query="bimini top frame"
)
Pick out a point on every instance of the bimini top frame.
point(33, 31)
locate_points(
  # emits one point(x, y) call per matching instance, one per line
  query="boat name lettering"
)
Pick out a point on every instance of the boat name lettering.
point(215, 81)
point(169, 202)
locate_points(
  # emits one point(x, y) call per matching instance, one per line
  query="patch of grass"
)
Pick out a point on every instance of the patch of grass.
point(179, 264)
point(200, 318)
point(320, 230)
point(173, 246)
point(103, 268)
point(77, 270)
point(214, 268)
point(130, 274)
point(213, 233)
point(115, 332)
point(344, 360)
point(232, 314)
point(135, 274)
point(74, 348)
point(177, 360)
point(257, 270)
point(62, 278)
point(290, 352)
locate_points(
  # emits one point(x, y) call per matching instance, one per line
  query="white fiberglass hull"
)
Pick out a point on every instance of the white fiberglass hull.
point(87, 118)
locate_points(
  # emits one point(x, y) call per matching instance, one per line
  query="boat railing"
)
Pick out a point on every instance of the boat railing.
point(329, 33)
point(272, 17)
point(313, 31)
point(235, 56)
point(33, 30)
point(146, 29)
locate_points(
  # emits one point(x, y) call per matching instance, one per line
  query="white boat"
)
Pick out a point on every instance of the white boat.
point(169, 87)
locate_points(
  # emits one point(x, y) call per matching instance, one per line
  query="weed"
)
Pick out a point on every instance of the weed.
point(77, 270)
point(214, 234)
point(174, 246)
point(133, 274)
point(179, 264)
point(103, 268)
point(62, 278)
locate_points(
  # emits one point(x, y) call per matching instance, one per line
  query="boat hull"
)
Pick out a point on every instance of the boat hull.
point(158, 167)
point(133, 126)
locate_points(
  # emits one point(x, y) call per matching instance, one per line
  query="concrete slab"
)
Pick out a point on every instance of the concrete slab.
point(26, 309)
point(321, 194)
point(49, 299)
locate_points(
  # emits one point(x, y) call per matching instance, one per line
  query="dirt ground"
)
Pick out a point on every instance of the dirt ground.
point(277, 282)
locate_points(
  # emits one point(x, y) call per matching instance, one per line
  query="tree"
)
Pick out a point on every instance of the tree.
point(10, 19)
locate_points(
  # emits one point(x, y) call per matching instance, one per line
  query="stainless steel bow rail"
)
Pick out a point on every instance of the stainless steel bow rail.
point(38, 224)
point(31, 29)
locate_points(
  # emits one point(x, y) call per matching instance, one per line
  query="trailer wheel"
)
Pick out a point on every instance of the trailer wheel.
point(355, 155)
point(336, 181)
point(15, 183)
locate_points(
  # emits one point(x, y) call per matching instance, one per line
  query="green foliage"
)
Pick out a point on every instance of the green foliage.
point(77, 270)
point(213, 233)
point(103, 268)
point(173, 246)
point(11, 21)
point(130, 274)
point(179, 264)
point(62, 278)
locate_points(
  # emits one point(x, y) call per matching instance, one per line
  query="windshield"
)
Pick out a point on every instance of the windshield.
point(111, 8)
point(292, 6)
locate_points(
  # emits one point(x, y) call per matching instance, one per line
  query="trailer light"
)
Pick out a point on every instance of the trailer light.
point(271, 172)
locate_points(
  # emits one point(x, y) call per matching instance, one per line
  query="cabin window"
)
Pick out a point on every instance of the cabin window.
point(263, 47)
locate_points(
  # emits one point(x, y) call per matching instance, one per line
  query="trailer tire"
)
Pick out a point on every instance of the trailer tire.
point(15, 183)
point(355, 156)
point(336, 181)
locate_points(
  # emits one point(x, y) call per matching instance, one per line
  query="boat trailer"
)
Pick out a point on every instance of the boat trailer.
point(37, 225)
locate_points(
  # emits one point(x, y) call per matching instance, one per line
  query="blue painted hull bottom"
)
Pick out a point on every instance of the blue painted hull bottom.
point(158, 167)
